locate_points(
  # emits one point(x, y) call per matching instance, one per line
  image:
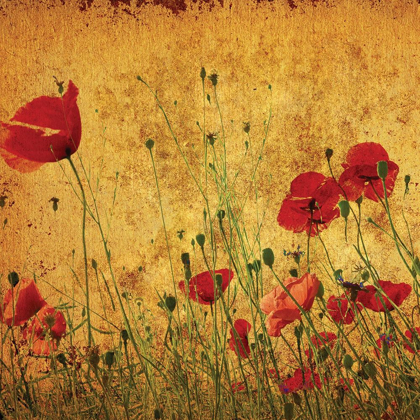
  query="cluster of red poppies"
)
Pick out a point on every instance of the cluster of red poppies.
point(312, 202)
point(23, 302)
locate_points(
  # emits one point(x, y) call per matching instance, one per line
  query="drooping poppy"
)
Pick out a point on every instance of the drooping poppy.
point(44, 130)
point(242, 328)
point(396, 292)
point(311, 205)
point(414, 339)
point(281, 309)
point(340, 310)
point(361, 176)
point(201, 286)
point(21, 303)
point(45, 330)
point(306, 379)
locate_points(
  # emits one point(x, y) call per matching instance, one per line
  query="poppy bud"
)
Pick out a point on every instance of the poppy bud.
point(297, 398)
point(149, 144)
point(370, 369)
point(359, 200)
point(185, 258)
point(193, 242)
point(170, 302)
point(268, 257)
point(94, 264)
point(200, 239)
point(257, 265)
point(329, 153)
point(293, 272)
point(320, 292)
point(94, 359)
point(62, 359)
point(247, 127)
point(365, 275)
point(124, 336)
point(13, 278)
point(288, 411)
point(369, 220)
point(3, 200)
point(382, 169)
point(348, 361)
point(219, 280)
point(213, 78)
point(109, 359)
point(250, 268)
point(221, 214)
point(203, 73)
point(407, 179)
point(344, 208)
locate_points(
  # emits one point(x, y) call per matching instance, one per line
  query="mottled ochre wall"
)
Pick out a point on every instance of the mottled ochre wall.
point(342, 72)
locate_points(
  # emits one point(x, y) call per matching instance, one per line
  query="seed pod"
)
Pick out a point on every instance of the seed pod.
point(268, 257)
point(348, 361)
point(382, 169)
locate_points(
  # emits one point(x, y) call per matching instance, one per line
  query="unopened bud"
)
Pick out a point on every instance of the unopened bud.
point(382, 169)
point(268, 257)
point(344, 208)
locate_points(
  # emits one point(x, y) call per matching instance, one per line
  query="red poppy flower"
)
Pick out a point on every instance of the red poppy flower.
point(308, 380)
point(311, 205)
point(342, 384)
point(201, 287)
point(413, 338)
point(327, 338)
point(339, 310)
point(242, 328)
point(48, 322)
point(238, 386)
point(361, 176)
point(396, 292)
point(47, 129)
point(21, 303)
point(281, 309)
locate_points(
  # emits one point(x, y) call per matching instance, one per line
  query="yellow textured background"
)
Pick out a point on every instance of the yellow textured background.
point(342, 72)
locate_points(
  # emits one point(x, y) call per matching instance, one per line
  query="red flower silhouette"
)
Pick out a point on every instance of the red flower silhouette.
point(237, 387)
point(242, 328)
point(201, 287)
point(339, 310)
point(342, 384)
point(311, 205)
point(413, 338)
point(361, 176)
point(308, 380)
point(21, 303)
point(48, 129)
point(281, 309)
point(396, 292)
point(327, 338)
point(45, 330)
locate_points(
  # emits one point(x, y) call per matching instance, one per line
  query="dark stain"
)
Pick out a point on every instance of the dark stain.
point(292, 4)
point(85, 5)
point(210, 3)
point(116, 3)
